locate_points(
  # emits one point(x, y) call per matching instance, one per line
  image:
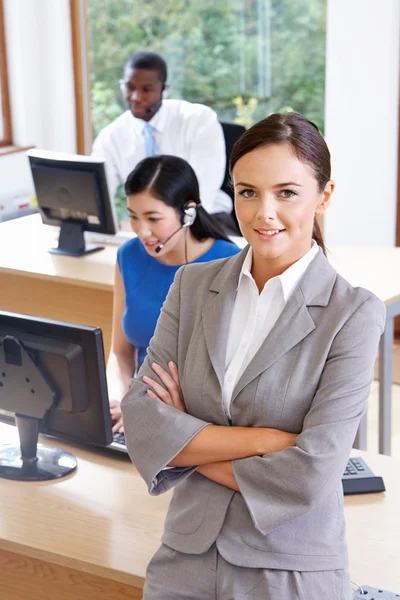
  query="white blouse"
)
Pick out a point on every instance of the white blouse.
point(254, 316)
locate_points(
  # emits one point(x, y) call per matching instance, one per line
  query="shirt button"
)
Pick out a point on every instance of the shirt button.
point(229, 377)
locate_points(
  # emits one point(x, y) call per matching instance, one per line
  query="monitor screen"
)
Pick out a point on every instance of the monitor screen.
point(52, 379)
point(72, 192)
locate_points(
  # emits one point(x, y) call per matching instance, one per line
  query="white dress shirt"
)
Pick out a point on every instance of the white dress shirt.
point(254, 315)
point(190, 131)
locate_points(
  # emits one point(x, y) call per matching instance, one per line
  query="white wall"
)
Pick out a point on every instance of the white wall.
point(361, 120)
point(40, 67)
point(41, 83)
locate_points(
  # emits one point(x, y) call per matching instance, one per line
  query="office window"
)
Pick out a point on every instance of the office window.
point(245, 58)
point(1, 122)
point(5, 117)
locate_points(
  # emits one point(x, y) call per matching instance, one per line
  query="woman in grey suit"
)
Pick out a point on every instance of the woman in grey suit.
point(252, 391)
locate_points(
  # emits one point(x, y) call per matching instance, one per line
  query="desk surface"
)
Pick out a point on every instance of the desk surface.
point(371, 267)
point(100, 520)
point(23, 250)
point(373, 528)
point(24, 243)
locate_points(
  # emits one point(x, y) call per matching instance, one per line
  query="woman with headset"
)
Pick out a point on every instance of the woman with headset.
point(252, 391)
point(172, 229)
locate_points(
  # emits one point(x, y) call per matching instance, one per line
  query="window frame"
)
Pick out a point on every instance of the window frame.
point(6, 140)
point(398, 200)
point(80, 56)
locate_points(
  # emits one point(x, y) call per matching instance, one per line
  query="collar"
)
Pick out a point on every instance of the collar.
point(288, 278)
point(315, 287)
point(158, 121)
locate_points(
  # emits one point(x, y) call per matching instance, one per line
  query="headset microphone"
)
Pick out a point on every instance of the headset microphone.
point(188, 218)
point(161, 246)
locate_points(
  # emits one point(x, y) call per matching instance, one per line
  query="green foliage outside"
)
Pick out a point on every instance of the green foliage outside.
point(245, 58)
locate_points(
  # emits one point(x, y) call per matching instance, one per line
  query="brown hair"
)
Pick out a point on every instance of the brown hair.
point(308, 145)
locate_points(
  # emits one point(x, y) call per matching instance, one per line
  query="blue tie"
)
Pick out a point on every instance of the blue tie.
point(151, 146)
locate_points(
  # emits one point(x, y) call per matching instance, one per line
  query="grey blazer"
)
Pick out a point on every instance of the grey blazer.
point(311, 376)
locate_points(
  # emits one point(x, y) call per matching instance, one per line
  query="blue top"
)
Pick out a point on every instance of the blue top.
point(147, 282)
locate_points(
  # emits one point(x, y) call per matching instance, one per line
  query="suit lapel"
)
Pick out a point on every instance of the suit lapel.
point(217, 312)
point(293, 325)
point(295, 322)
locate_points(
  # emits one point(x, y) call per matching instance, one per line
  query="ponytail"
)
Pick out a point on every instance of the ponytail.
point(317, 236)
point(173, 181)
point(207, 226)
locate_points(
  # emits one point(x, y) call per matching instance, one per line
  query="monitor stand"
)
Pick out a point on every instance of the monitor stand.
point(71, 241)
point(31, 461)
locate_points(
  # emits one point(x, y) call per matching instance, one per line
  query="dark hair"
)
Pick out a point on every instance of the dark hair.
point(308, 145)
point(172, 180)
point(147, 60)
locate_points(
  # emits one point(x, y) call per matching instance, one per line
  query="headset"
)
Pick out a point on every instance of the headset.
point(188, 217)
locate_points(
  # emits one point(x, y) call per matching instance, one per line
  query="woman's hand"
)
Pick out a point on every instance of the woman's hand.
point(116, 416)
point(173, 394)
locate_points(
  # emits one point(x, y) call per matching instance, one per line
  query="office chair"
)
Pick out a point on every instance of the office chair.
point(232, 132)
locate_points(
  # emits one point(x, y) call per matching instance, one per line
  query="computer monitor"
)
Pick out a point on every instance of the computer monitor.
point(72, 192)
point(52, 379)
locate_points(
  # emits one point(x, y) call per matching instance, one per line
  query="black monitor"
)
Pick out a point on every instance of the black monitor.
point(52, 380)
point(72, 192)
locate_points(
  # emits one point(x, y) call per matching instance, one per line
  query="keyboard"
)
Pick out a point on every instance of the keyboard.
point(359, 479)
point(118, 443)
point(122, 235)
point(92, 237)
point(370, 593)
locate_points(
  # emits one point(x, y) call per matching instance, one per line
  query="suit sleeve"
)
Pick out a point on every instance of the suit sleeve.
point(285, 485)
point(155, 432)
point(207, 156)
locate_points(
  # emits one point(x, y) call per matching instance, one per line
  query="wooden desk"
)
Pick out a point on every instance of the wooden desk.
point(80, 290)
point(373, 528)
point(35, 282)
point(85, 537)
point(376, 269)
point(91, 535)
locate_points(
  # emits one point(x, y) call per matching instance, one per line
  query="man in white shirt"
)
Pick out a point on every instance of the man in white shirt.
point(156, 126)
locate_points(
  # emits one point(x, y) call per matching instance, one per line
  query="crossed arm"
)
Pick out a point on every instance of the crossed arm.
point(215, 446)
